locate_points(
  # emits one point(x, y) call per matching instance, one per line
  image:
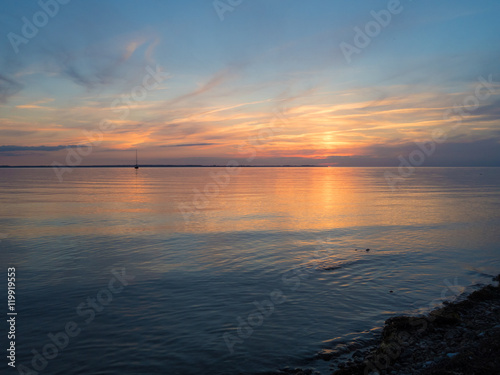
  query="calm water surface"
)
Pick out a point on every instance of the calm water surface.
point(200, 277)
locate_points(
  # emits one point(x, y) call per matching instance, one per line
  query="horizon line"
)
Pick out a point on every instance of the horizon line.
point(245, 166)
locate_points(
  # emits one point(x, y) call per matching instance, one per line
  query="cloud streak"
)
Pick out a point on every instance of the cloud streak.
point(190, 144)
point(13, 148)
point(8, 88)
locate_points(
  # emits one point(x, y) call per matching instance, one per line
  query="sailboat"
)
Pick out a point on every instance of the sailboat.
point(136, 164)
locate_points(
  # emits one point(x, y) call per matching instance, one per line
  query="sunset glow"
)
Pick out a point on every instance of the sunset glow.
point(184, 87)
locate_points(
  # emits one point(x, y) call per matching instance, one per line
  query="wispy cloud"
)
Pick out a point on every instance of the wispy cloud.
point(102, 64)
point(215, 81)
point(36, 105)
point(8, 87)
point(13, 148)
point(190, 144)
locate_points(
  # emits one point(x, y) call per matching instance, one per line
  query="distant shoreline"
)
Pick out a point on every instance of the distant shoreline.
point(243, 166)
point(168, 166)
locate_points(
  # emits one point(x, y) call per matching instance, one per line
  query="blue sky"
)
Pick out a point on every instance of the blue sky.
point(228, 79)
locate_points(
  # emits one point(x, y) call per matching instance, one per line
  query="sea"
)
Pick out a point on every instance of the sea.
point(231, 270)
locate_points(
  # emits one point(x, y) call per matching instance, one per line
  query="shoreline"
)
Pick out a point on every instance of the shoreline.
point(456, 338)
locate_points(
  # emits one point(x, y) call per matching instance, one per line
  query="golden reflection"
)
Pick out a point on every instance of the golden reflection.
point(124, 201)
point(286, 199)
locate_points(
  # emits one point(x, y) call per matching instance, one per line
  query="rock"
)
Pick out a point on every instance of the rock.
point(451, 334)
point(468, 329)
point(406, 354)
point(469, 335)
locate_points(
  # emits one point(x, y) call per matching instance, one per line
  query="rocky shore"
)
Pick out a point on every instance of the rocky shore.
point(460, 338)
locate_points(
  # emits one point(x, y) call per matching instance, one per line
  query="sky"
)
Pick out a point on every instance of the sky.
point(282, 82)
